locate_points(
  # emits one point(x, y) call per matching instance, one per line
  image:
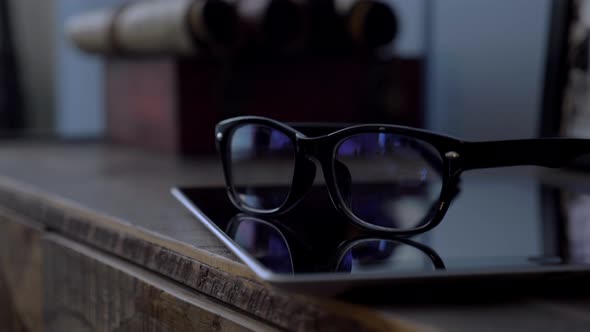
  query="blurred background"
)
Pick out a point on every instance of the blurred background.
point(160, 74)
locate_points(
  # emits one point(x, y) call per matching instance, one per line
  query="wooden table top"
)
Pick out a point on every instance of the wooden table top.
point(118, 199)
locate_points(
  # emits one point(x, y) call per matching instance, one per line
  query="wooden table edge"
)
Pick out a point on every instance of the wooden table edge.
point(110, 234)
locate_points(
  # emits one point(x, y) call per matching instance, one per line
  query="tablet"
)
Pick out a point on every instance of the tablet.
point(518, 227)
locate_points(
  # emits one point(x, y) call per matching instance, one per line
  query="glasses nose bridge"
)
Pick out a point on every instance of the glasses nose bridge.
point(316, 149)
point(311, 147)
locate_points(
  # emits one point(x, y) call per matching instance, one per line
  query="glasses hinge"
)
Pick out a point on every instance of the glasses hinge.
point(452, 155)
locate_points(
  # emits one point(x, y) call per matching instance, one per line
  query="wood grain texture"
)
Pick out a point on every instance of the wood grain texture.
point(100, 179)
point(117, 200)
point(86, 290)
point(20, 274)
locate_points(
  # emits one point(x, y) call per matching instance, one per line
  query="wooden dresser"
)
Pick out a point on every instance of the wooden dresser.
point(92, 240)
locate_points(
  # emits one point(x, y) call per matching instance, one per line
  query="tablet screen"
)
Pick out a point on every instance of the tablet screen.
point(501, 219)
point(509, 219)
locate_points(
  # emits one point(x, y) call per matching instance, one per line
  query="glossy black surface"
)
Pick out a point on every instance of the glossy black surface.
point(502, 220)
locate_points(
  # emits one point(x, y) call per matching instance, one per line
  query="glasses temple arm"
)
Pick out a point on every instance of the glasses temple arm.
point(547, 152)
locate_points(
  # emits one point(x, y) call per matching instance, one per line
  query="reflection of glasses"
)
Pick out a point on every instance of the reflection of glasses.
point(262, 240)
point(382, 177)
point(380, 254)
point(268, 242)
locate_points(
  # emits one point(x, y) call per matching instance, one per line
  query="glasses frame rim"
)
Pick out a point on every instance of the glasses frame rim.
point(322, 148)
point(224, 145)
point(424, 222)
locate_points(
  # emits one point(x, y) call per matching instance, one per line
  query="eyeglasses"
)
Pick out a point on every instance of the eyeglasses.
point(386, 178)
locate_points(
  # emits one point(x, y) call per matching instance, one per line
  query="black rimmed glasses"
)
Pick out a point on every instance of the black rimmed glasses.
point(382, 177)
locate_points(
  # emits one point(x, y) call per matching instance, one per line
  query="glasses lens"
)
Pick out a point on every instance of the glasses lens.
point(389, 180)
point(262, 162)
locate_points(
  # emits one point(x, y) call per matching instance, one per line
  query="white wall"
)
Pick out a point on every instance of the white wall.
point(33, 33)
point(486, 70)
point(63, 88)
point(411, 39)
point(79, 80)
